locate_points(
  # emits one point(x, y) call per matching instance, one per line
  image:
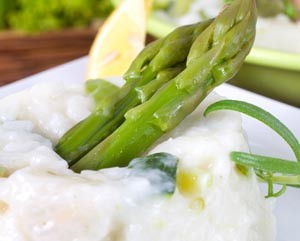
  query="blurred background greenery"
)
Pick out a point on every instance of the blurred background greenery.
point(43, 15)
point(34, 16)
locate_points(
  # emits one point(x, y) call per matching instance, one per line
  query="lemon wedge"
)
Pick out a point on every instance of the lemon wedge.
point(119, 40)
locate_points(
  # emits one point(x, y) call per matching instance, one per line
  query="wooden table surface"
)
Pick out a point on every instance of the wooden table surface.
point(22, 55)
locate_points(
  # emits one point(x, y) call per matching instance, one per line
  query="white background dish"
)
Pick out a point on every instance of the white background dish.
point(262, 140)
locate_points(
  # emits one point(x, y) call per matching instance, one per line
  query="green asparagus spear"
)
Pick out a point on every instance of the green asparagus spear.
point(100, 90)
point(215, 56)
point(155, 65)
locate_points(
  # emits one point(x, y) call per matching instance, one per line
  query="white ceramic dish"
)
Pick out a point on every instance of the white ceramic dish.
point(261, 139)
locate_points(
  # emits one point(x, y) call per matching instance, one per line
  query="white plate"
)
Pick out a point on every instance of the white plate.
point(261, 139)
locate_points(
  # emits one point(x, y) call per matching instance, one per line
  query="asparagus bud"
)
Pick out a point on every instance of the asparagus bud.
point(214, 57)
point(155, 65)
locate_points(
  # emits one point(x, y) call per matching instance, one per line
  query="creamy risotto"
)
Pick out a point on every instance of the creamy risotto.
point(42, 200)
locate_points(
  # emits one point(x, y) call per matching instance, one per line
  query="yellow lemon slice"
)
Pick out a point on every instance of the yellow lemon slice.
point(119, 40)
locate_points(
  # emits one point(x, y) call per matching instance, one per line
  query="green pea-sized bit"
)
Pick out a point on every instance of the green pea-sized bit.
point(146, 123)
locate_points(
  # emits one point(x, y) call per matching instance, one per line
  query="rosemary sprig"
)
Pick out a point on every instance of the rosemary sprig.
point(268, 169)
point(261, 115)
point(267, 164)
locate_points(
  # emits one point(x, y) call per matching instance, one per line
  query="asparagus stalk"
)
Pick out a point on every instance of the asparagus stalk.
point(154, 66)
point(101, 90)
point(214, 57)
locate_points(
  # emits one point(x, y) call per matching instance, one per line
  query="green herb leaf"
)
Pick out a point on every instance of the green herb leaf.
point(265, 167)
point(276, 194)
point(268, 164)
point(293, 181)
point(261, 115)
point(159, 168)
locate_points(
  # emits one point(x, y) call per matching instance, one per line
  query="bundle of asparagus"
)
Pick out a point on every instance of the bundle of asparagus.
point(164, 84)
